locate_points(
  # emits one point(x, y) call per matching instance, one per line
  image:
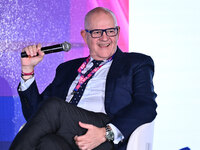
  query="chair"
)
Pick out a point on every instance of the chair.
point(142, 138)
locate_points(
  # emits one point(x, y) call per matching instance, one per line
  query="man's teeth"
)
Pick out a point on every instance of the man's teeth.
point(104, 45)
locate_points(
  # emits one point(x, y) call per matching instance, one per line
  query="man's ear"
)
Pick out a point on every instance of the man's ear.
point(83, 34)
point(118, 30)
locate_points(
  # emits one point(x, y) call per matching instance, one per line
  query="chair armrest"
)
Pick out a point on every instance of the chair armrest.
point(142, 138)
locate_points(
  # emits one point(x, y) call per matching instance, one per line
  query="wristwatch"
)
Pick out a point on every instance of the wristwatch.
point(109, 133)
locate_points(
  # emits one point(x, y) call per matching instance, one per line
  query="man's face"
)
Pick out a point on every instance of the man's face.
point(103, 47)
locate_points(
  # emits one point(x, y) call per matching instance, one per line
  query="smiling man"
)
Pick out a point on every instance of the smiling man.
point(92, 103)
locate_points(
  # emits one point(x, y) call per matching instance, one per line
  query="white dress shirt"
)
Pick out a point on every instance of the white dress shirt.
point(94, 95)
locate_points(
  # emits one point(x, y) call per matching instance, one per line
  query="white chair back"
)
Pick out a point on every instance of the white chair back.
point(142, 138)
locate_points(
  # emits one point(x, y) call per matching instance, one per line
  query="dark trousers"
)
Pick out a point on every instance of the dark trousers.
point(54, 126)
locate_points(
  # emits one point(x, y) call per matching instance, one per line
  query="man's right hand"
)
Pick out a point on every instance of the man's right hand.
point(28, 63)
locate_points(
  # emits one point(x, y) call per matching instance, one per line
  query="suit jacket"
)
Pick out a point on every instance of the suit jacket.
point(129, 94)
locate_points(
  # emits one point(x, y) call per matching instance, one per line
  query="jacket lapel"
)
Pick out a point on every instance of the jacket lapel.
point(70, 76)
point(111, 78)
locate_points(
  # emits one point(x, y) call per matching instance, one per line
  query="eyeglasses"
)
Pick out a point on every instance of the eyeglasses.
point(97, 33)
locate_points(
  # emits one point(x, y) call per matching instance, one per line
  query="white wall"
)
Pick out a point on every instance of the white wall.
point(169, 31)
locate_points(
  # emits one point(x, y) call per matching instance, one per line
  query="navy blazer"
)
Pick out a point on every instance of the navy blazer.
point(129, 94)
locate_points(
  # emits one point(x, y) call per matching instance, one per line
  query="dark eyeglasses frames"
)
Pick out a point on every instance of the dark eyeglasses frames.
point(97, 33)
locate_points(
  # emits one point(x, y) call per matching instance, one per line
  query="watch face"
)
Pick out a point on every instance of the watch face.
point(109, 134)
point(110, 137)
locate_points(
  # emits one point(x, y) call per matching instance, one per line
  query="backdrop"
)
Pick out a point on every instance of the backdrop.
point(26, 22)
point(169, 31)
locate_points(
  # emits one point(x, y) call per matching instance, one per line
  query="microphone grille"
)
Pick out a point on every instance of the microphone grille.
point(66, 46)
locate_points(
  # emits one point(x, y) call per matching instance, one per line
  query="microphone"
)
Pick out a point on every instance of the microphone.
point(52, 49)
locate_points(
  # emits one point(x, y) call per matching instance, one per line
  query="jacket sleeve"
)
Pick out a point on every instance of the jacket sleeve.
point(31, 99)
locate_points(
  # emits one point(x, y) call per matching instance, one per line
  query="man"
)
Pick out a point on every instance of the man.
point(113, 98)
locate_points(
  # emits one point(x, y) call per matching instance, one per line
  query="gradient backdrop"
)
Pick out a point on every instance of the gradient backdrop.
point(25, 22)
point(169, 31)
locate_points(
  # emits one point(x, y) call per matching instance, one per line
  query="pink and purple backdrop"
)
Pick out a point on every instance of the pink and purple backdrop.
point(25, 22)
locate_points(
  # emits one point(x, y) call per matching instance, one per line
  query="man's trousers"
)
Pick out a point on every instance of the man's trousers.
point(54, 126)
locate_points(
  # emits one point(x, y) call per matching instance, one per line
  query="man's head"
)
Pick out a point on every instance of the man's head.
point(101, 47)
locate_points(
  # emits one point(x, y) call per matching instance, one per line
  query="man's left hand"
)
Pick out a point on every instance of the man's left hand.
point(93, 137)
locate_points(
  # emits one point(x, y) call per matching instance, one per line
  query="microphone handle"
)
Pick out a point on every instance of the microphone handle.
point(47, 50)
point(52, 49)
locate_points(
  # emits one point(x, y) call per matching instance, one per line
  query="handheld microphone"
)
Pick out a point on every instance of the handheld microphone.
point(52, 49)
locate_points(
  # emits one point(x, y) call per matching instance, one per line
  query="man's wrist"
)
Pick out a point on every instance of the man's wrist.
point(25, 78)
point(28, 68)
point(27, 75)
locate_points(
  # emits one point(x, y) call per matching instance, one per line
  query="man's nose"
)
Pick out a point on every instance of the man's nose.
point(104, 36)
